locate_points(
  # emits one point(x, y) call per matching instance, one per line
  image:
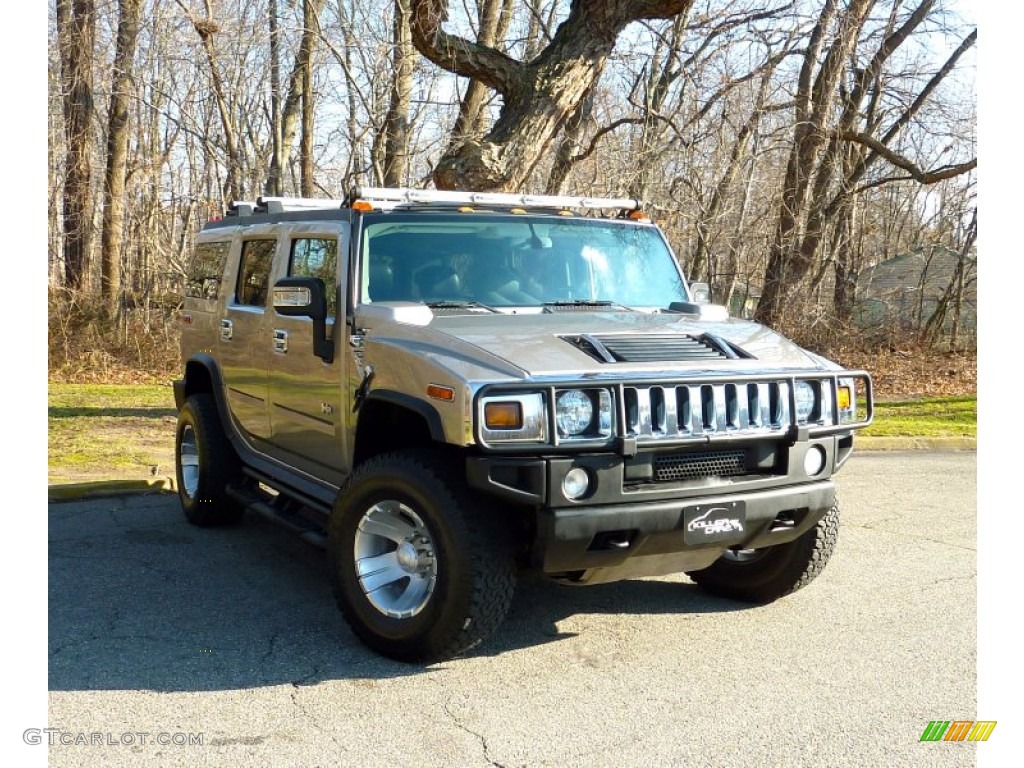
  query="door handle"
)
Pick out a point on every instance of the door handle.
point(280, 340)
point(226, 330)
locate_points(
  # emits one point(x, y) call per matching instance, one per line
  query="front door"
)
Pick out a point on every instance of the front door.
point(307, 397)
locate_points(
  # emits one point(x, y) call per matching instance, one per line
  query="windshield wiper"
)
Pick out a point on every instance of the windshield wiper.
point(458, 304)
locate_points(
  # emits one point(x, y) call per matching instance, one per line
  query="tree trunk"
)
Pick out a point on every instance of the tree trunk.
point(76, 34)
point(538, 96)
point(817, 94)
point(117, 153)
point(702, 253)
point(495, 16)
point(206, 29)
point(293, 112)
point(309, 22)
point(274, 185)
point(569, 147)
point(393, 146)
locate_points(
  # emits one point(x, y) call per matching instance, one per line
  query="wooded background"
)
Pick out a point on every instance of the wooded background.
point(813, 160)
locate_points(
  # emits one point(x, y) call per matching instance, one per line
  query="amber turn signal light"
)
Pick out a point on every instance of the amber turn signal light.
point(844, 398)
point(438, 392)
point(503, 415)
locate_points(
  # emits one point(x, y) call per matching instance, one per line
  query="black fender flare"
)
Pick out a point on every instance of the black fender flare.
point(427, 411)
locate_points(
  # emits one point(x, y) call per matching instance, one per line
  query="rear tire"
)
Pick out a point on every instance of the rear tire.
point(421, 570)
point(764, 575)
point(205, 464)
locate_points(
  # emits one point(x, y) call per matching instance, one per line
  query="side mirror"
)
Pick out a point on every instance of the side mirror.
point(304, 297)
point(700, 304)
point(700, 293)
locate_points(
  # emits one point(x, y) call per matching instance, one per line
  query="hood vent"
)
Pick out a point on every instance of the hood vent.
point(655, 348)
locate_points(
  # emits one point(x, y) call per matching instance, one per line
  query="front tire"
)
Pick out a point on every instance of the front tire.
point(420, 570)
point(205, 464)
point(765, 575)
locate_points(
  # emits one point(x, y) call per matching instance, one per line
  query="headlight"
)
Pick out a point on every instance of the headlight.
point(582, 414)
point(513, 418)
point(806, 399)
point(573, 412)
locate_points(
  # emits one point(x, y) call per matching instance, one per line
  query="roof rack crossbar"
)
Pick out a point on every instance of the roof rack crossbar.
point(240, 208)
point(407, 195)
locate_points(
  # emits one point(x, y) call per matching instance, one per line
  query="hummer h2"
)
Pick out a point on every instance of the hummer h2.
point(443, 388)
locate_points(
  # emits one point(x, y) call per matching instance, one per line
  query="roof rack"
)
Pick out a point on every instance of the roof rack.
point(281, 205)
point(390, 197)
point(240, 208)
point(406, 195)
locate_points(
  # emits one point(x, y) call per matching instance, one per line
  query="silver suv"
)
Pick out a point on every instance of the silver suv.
point(442, 388)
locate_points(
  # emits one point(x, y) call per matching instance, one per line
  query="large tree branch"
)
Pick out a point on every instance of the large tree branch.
point(898, 160)
point(861, 168)
point(931, 85)
point(456, 54)
point(886, 49)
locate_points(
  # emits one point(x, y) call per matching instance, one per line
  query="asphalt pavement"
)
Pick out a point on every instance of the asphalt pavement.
point(161, 632)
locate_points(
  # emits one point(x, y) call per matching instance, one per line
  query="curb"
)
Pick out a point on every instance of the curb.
point(868, 443)
point(99, 488)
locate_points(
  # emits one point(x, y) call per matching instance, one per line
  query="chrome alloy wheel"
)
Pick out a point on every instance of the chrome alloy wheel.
point(395, 561)
point(189, 461)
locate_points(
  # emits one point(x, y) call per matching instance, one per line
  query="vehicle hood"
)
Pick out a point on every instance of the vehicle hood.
point(536, 343)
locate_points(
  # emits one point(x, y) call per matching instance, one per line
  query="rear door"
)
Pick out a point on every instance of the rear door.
point(243, 334)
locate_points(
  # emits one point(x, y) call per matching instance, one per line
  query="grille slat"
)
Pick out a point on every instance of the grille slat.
point(686, 411)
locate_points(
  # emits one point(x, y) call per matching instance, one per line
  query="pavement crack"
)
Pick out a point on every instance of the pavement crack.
point(479, 736)
point(874, 527)
point(308, 716)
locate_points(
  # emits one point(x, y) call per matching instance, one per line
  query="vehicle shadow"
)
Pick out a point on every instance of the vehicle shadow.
point(140, 600)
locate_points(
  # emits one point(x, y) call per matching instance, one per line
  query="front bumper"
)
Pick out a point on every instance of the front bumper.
point(619, 541)
point(629, 526)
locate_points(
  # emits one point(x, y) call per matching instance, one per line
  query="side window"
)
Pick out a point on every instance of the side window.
point(205, 270)
point(254, 272)
point(317, 257)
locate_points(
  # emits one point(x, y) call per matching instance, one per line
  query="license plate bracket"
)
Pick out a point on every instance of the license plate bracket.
point(713, 523)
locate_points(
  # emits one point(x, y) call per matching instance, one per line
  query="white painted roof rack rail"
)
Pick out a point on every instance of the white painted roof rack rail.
point(406, 195)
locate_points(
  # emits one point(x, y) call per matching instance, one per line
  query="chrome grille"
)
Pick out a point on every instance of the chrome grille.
point(690, 466)
point(692, 410)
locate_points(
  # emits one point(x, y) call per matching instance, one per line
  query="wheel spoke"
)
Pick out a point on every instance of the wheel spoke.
point(367, 566)
point(385, 523)
point(413, 596)
point(385, 570)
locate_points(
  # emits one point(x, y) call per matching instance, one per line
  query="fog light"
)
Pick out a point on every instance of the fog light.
point(814, 460)
point(576, 483)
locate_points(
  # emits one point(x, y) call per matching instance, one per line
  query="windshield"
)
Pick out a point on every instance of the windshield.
point(500, 261)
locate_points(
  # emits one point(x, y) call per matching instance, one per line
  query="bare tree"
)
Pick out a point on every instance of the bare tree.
point(206, 28)
point(391, 142)
point(495, 16)
point(830, 156)
point(76, 33)
point(538, 95)
point(273, 184)
point(118, 133)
